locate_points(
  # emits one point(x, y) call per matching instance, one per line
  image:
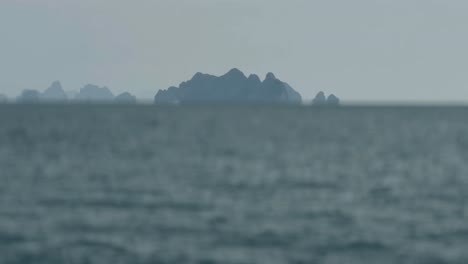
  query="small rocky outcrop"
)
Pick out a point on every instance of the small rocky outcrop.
point(232, 87)
point(333, 100)
point(29, 96)
point(94, 93)
point(54, 93)
point(125, 98)
point(321, 100)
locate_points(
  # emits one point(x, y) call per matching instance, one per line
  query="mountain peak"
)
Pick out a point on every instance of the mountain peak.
point(333, 100)
point(319, 99)
point(254, 78)
point(55, 92)
point(270, 76)
point(197, 76)
point(125, 98)
point(56, 84)
point(235, 73)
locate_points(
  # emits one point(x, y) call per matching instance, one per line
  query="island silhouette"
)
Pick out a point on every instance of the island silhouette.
point(232, 87)
point(89, 93)
point(236, 87)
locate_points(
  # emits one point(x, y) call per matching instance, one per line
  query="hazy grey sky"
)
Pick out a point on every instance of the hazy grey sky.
point(360, 50)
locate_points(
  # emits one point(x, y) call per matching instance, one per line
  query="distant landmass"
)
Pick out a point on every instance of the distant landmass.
point(89, 93)
point(232, 87)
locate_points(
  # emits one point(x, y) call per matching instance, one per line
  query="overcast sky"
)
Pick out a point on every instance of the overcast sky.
point(361, 50)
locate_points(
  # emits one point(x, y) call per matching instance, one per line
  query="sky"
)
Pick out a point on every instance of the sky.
point(360, 50)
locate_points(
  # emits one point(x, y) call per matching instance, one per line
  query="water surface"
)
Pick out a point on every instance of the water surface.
point(233, 184)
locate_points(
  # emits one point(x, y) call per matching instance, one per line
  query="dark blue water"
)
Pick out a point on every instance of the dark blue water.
point(245, 184)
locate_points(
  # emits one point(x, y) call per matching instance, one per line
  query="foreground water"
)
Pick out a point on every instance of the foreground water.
point(200, 184)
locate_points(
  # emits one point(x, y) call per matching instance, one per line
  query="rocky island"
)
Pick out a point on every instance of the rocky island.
point(29, 96)
point(125, 98)
point(54, 93)
point(232, 87)
point(321, 100)
point(94, 93)
point(90, 93)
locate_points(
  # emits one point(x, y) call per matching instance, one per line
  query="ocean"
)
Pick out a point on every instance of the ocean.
point(85, 184)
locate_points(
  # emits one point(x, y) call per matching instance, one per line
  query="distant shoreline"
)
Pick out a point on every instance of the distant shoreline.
point(149, 103)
